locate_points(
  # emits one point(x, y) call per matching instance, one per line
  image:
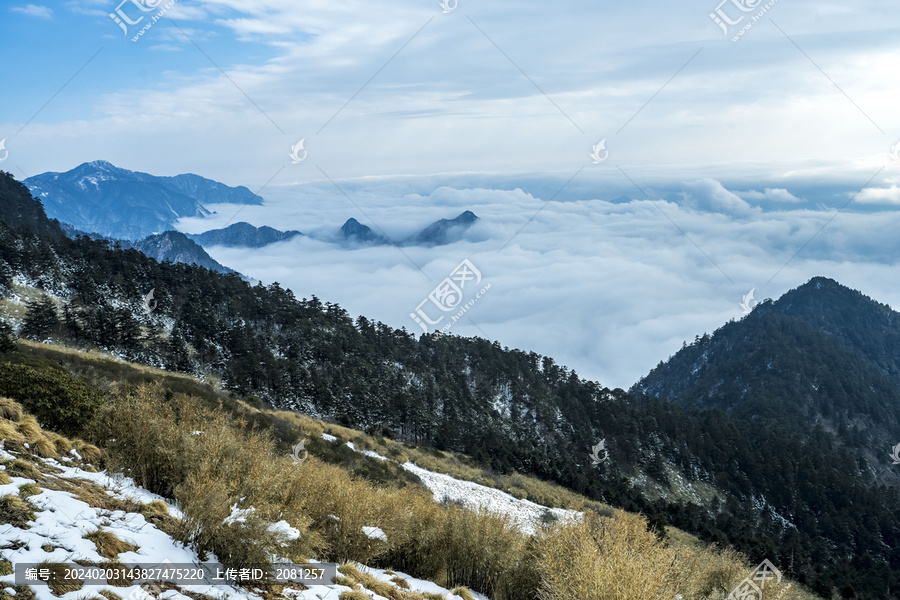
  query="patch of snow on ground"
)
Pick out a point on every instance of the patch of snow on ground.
point(328, 437)
point(61, 521)
point(373, 454)
point(524, 513)
point(374, 533)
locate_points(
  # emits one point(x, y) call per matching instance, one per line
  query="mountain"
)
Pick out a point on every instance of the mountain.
point(242, 235)
point(22, 211)
point(811, 506)
point(176, 247)
point(444, 231)
point(98, 197)
point(822, 355)
point(355, 231)
point(206, 191)
point(439, 233)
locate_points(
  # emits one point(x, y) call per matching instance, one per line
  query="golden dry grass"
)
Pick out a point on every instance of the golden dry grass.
point(602, 558)
point(108, 545)
point(58, 583)
point(10, 410)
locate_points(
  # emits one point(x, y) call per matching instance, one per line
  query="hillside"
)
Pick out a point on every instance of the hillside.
point(64, 500)
point(821, 356)
point(765, 492)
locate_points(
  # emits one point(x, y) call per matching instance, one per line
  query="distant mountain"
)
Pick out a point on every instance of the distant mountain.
point(98, 197)
point(822, 355)
point(439, 233)
point(242, 235)
point(174, 246)
point(355, 231)
point(445, 231)
point(207, 191)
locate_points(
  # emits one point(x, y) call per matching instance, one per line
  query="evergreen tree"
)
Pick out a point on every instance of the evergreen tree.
point(6, 337)
point(40, 318)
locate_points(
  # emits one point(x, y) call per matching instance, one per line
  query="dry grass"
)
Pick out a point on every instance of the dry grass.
point(108, 545)
point(10, 410)
point(58, 583)
point(4, 478)
point(607, 559)
point(28, 490)
point(602, 558)
point(354, 595)
point(21, 468)
point(226, 466)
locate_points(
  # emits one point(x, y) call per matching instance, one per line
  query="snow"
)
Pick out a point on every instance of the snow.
point(328, 437)
point(374, 533)
point(373, 454)
point(61, 521)
point(284, 530)
point(238, 515)
point(523, 513)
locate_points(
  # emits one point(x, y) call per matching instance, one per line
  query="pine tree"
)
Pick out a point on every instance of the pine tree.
point(6, 338)
point(40, 318)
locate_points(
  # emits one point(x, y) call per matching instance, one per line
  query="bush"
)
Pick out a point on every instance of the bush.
point(210, 465)
point(60, 401)
point(607, 559)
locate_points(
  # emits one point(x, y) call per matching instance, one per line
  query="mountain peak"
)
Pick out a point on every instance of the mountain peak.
point(354, 230)
point(444, 231)
point(243, 234)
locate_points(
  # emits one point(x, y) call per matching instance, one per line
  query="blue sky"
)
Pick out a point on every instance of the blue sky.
point(733, 157)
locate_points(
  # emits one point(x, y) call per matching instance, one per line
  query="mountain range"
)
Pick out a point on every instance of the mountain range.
point(243, 235)
point(439, 233)
point(98, 197)
point(724, 453)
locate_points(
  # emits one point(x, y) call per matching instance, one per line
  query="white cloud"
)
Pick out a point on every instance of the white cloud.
point(770, 194)
point(34, 10)
point(608, 289)
point(879, 195)
point(711, 195)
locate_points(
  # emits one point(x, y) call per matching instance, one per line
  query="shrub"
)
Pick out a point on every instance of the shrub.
point(606, 559)
point(60, 401)
point(211, 473)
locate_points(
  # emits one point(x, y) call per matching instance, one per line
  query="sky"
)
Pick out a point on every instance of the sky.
point(637, 168)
